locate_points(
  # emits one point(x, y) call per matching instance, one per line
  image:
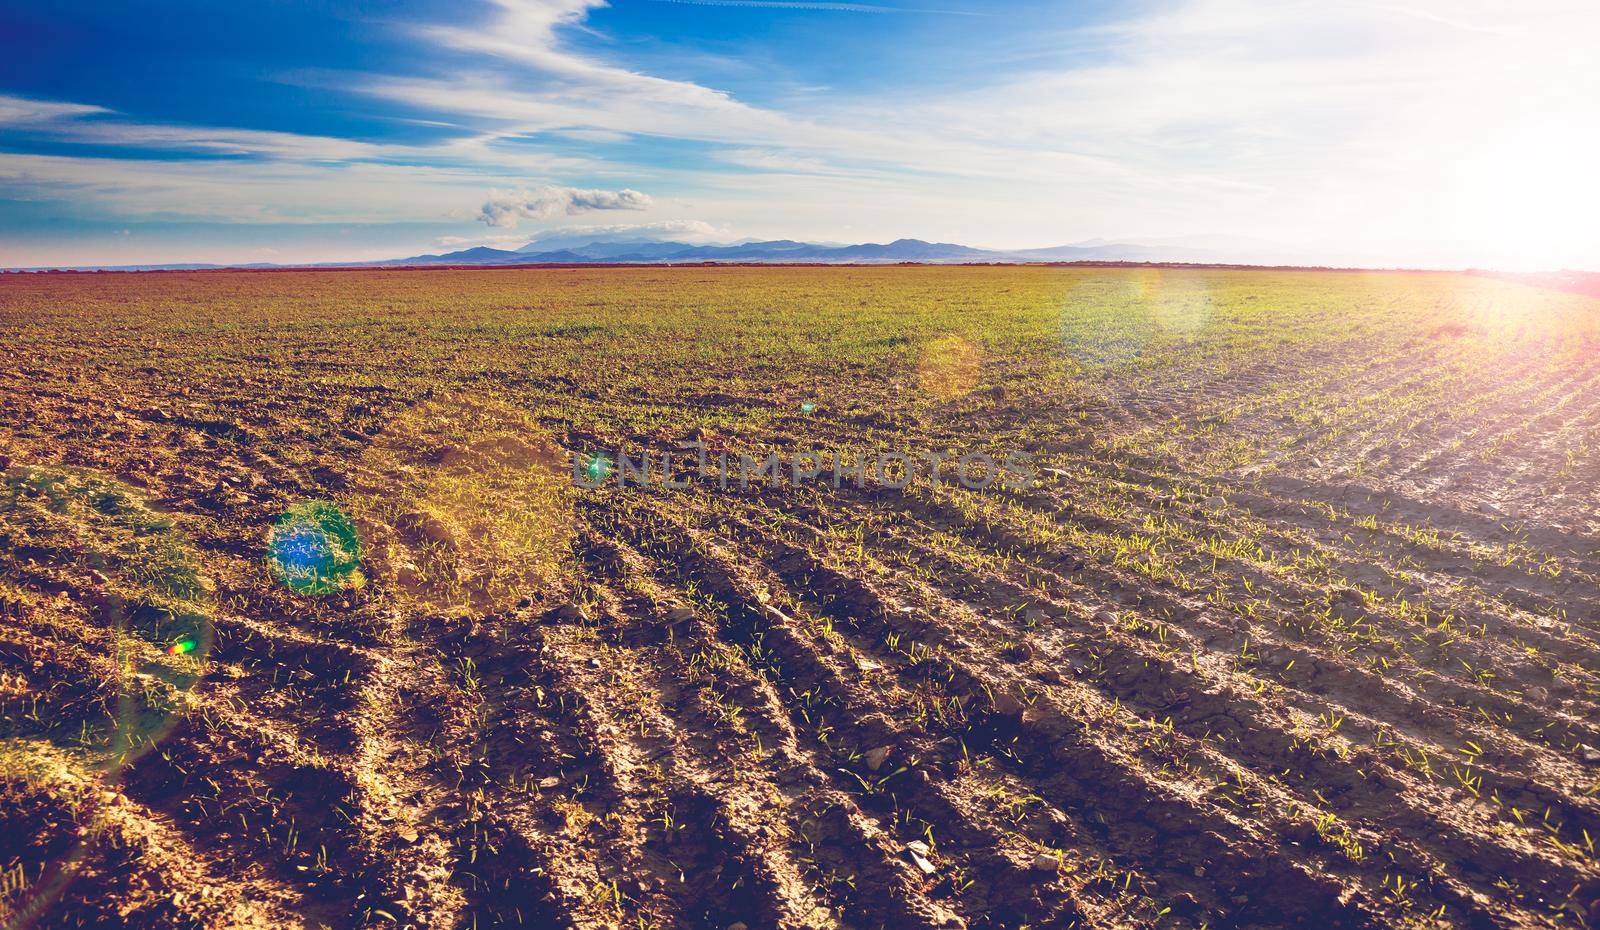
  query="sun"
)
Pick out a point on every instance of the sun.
point(1529, 196)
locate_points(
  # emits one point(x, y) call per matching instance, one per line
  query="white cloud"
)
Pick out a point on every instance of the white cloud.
point(264, 176)
point(221, 141)
point(219, 190)
point(86, 123)
point(60, 121)
point(506, 208)
point(563, 90)
point(21, 111)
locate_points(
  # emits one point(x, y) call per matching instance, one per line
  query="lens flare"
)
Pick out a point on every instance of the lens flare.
point(145, 601)
point(465, 506)
point(314, 549)
point(1184, 310)
point(949, 368)
point(599, 467)
point(1137, 313)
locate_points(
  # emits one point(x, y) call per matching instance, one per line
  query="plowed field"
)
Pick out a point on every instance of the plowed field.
point(1297, 627)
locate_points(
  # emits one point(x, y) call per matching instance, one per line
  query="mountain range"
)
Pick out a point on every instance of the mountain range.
point(789, 250)
point(599, 247)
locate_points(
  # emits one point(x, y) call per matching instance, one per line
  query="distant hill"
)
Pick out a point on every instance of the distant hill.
point(482, 255)
point(623, 249)
point(790, 250)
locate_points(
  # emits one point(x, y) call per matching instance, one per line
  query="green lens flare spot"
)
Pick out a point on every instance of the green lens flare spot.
point(182, 647)
point(598, 467)
point(808, 407)
point(314, 549)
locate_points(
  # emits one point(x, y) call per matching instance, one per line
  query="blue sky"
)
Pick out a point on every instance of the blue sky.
point(1413, 132)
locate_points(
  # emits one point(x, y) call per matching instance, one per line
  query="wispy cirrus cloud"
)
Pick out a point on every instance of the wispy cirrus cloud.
point(817, 6)
point(770, 160)
point(22, 111)
point(225, 191)
point(84, 124)
point(563, 90)
point(247, 175)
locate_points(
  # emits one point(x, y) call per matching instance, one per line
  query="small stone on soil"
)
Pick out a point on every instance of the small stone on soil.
point(876, 757)
point(1589, 755)
point(1008, 704)
point(1047, 861)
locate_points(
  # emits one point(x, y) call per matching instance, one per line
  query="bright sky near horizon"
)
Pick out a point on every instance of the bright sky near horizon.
point(1442, 133)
